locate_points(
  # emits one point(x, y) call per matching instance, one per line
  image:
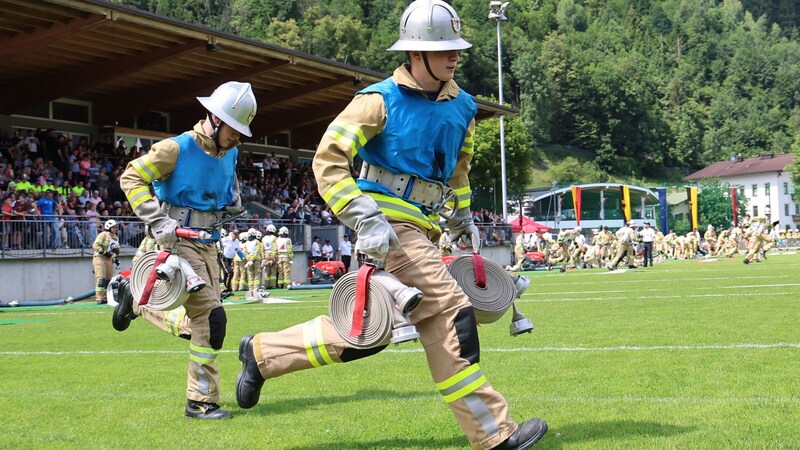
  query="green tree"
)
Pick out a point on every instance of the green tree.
point(714, 204)
point(795, 167)
point(486, 170)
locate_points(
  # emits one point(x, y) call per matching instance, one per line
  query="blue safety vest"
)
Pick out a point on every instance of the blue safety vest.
point(421, 137)
point(199, 181)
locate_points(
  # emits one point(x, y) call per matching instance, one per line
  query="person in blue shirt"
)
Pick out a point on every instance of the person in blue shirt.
point(50, 210)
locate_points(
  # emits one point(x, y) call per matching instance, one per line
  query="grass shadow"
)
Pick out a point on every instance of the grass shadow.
point(584, 432)
point(267, 406)
point(386, 444)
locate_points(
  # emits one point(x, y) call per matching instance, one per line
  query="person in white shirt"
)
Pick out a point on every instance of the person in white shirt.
point(316, 250)
point(327, 251)
point(346, 252)
point(648, 236)
point(230, 247)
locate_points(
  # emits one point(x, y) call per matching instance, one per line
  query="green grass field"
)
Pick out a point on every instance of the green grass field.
point(685, 355)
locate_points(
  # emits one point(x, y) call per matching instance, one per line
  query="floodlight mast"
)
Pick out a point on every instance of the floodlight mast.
point(497, 12)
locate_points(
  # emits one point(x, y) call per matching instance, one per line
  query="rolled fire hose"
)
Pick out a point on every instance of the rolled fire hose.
point(166, 295)
point(497, 295)
point(388, 304)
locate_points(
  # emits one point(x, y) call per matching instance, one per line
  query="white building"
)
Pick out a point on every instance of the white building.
point(765, 182)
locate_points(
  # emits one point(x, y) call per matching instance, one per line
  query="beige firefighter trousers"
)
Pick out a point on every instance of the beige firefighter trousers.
point(193, 319)
point(103, 270)
point(481, 411)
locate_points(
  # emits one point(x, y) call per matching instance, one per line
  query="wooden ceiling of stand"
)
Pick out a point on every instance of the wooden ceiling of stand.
point(127, 62)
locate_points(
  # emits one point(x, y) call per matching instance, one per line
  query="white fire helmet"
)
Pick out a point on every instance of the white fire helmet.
point(429, 25)
point(234, 103)
point(283, 230)
point(110, 223)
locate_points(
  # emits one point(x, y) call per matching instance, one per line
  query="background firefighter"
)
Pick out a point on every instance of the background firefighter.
point(106, 250)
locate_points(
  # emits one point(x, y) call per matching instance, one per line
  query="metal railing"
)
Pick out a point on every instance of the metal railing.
point(70, 236)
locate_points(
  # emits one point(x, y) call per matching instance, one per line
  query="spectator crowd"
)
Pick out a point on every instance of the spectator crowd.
point(57, 193)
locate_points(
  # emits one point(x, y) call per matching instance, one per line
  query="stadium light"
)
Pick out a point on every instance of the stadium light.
point(497, 12)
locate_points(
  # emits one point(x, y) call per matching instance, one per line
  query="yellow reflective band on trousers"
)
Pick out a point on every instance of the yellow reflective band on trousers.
point(202, 355)
point(173, 320)
point(461, 384)
point(401, 209)
point(139, 195)
point(315, 344)
point(146, 169)
point(348, 135)
point(340, 194)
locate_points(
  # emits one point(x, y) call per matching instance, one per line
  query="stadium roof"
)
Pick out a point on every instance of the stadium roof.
point(769, 162)
point(127, 62)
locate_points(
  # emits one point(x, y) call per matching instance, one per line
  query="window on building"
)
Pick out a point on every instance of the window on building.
point(755, 191)
point(785, 188)
point(766, 189)
point(755, 211)
point(42, 110)
point(786, 209)
point(741, 191)
point(797, 209)
point(153, 120)
point(71, 111)
point(278, 139)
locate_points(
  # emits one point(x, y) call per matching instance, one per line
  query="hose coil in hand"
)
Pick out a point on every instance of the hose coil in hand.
point(378, 323)
point(165, 295)
point(492, 301)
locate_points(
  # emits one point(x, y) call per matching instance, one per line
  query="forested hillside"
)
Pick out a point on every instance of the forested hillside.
point(643, 85)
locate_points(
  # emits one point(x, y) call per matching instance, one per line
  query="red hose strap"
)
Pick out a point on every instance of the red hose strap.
point(161, 258)
point(480, 270)
point(362, 293)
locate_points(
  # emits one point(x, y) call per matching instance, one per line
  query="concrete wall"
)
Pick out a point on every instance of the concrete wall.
point(50, 278)
point(41, 279)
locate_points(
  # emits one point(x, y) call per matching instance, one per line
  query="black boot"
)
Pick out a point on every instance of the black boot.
point(203, 410)
point(249, 381)
point(526, 435)
point(123, 312)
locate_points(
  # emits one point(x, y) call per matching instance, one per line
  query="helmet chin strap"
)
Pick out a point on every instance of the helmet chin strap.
point(215, 132)
point(428, 66)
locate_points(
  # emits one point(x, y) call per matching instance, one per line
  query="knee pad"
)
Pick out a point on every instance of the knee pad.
point(217, 323)
point(467, 333)
point(102, 283)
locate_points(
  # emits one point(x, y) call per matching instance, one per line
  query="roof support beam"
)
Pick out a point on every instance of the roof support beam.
point(132, 103)
point(281, 120)
point(56, 85)
point(24, 43)
point(285, 95)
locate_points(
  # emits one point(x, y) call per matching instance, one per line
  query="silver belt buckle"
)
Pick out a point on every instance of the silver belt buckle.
point(447, 195)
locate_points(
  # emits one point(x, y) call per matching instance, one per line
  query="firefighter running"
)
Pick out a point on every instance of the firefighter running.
point(198, 202)
point(381, 125)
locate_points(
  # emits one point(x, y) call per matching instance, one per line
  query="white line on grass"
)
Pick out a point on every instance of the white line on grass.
point(649, 297)
point(665, 400)
point(433, 398)
point(618, 291)
point(419, 350)
point(639, 280)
